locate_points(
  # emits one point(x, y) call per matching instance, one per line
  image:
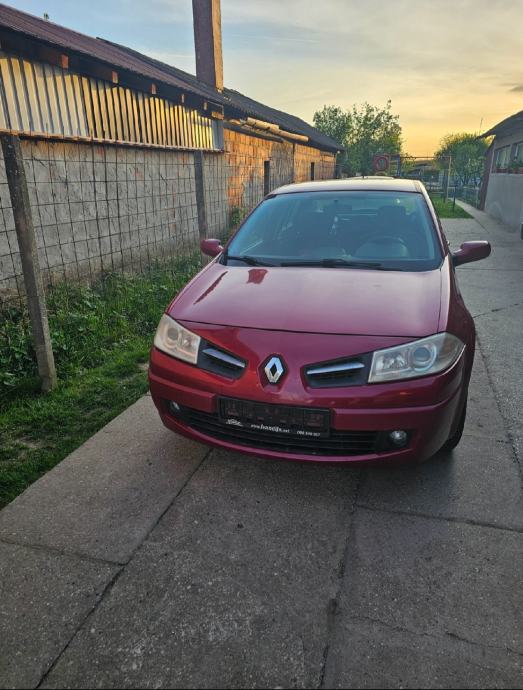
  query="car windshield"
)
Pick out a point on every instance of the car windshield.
point(361, 229)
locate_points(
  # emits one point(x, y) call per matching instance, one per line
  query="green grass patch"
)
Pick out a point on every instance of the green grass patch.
point(446, 209)
point(101, 338)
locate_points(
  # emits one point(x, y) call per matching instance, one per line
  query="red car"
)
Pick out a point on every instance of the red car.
point(331, 327)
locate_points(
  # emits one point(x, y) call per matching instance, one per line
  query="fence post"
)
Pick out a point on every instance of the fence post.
point(448, 180)
point(16, 179)
point(200, 194)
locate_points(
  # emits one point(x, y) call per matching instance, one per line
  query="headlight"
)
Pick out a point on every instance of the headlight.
point(420, 358)
point(177, 341)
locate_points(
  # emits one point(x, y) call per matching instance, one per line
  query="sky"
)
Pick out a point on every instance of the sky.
point(447, 66)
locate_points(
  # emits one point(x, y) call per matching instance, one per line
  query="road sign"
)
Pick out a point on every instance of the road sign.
point(381, 162)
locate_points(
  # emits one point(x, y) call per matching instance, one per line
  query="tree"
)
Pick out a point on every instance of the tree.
point(468, 157)
point(334, 122)
point(364, 131)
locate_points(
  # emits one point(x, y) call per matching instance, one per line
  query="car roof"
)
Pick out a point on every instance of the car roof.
point(375, 184)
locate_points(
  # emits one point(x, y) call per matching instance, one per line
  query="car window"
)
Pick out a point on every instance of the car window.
point(393, 229)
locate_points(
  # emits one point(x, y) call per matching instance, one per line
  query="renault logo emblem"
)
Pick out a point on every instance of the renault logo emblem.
point(274, 370)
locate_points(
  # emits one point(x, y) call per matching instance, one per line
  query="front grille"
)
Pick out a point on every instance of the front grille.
point(339, 443)
point(218, 361)
point(340, 372)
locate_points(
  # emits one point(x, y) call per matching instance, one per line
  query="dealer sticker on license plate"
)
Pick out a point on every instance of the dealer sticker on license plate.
point(278, 419)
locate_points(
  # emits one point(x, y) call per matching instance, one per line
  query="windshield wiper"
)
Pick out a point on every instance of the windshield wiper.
point(342, 263)
point(249, 260)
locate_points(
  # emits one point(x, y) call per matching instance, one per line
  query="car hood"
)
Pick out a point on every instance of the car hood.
point(313, 300)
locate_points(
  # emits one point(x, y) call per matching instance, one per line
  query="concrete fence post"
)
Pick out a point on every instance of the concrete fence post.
point(200, 194)
point(16, 179)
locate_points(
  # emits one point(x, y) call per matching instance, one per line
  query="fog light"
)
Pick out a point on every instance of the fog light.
point(399, 438)
point(174, 407)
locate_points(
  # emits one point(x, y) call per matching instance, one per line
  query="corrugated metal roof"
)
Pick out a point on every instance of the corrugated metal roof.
point(125, 58)
point(506, 126)
point(246, 105)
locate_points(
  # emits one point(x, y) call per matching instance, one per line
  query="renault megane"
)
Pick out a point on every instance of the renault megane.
point(330, 327)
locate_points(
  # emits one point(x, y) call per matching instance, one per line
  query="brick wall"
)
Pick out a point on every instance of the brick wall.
point(289, 162)
point(324, 164)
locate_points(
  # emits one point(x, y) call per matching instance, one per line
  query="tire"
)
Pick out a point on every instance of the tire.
point(454, 440)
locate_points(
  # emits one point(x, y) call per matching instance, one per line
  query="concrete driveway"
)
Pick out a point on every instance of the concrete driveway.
point(145, 560)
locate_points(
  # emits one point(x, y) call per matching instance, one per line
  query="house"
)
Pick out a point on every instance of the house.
point(502, 188)
point(127, 158)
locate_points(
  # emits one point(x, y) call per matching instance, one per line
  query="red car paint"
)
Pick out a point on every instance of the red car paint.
point(316, 301)
point(313, 315)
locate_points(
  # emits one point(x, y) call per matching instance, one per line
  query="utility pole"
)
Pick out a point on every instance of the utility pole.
point(16, 179)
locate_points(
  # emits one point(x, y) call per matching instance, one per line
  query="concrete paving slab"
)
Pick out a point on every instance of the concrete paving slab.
point(105, 497)
point(436, 578)
point(500, 335)
point(366, 654)
point(483, 415)
point(44, 597)
point(485, 291)
point(232, 589)
point(478, 481)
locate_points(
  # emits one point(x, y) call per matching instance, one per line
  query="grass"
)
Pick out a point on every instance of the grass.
point(444, 208)
point(101, 338)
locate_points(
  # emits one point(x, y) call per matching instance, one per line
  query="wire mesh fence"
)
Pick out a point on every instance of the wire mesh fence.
point(117, 230)
point(469, 193)
point(99, 210)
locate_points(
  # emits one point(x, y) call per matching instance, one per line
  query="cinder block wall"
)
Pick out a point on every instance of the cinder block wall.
point(100, 208)
point(104, 207)
point(215, 173)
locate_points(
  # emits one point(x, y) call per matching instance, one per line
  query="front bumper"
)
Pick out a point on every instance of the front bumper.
point(428, 408)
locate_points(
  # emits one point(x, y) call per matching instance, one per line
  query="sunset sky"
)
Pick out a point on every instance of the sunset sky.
point(446, 66)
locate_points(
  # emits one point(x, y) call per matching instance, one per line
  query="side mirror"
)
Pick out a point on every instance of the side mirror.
point(211, 247)
point(471, 251)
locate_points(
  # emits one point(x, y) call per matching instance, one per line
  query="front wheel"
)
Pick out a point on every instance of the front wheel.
point(456, 436)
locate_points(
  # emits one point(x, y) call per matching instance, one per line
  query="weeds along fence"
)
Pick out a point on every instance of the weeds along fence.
point(117, 232)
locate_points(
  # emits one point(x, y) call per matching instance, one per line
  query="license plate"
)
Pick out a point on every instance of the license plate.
point(277, 419)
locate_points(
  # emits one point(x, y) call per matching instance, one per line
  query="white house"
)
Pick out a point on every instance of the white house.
point(502, 190)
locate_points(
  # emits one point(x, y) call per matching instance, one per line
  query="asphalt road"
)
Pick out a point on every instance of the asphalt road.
point(146, 560)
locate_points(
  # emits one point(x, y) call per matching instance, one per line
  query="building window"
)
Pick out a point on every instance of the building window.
point(266, 177)
point(501, 159)
point(313, 165)
point(518, 151)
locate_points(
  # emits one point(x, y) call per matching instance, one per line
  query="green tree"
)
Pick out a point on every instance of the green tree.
point(364, 131)
point(468, 157)
point(334, 122)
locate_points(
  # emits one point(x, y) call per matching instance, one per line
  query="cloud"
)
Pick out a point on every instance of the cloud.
point(517, 88)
